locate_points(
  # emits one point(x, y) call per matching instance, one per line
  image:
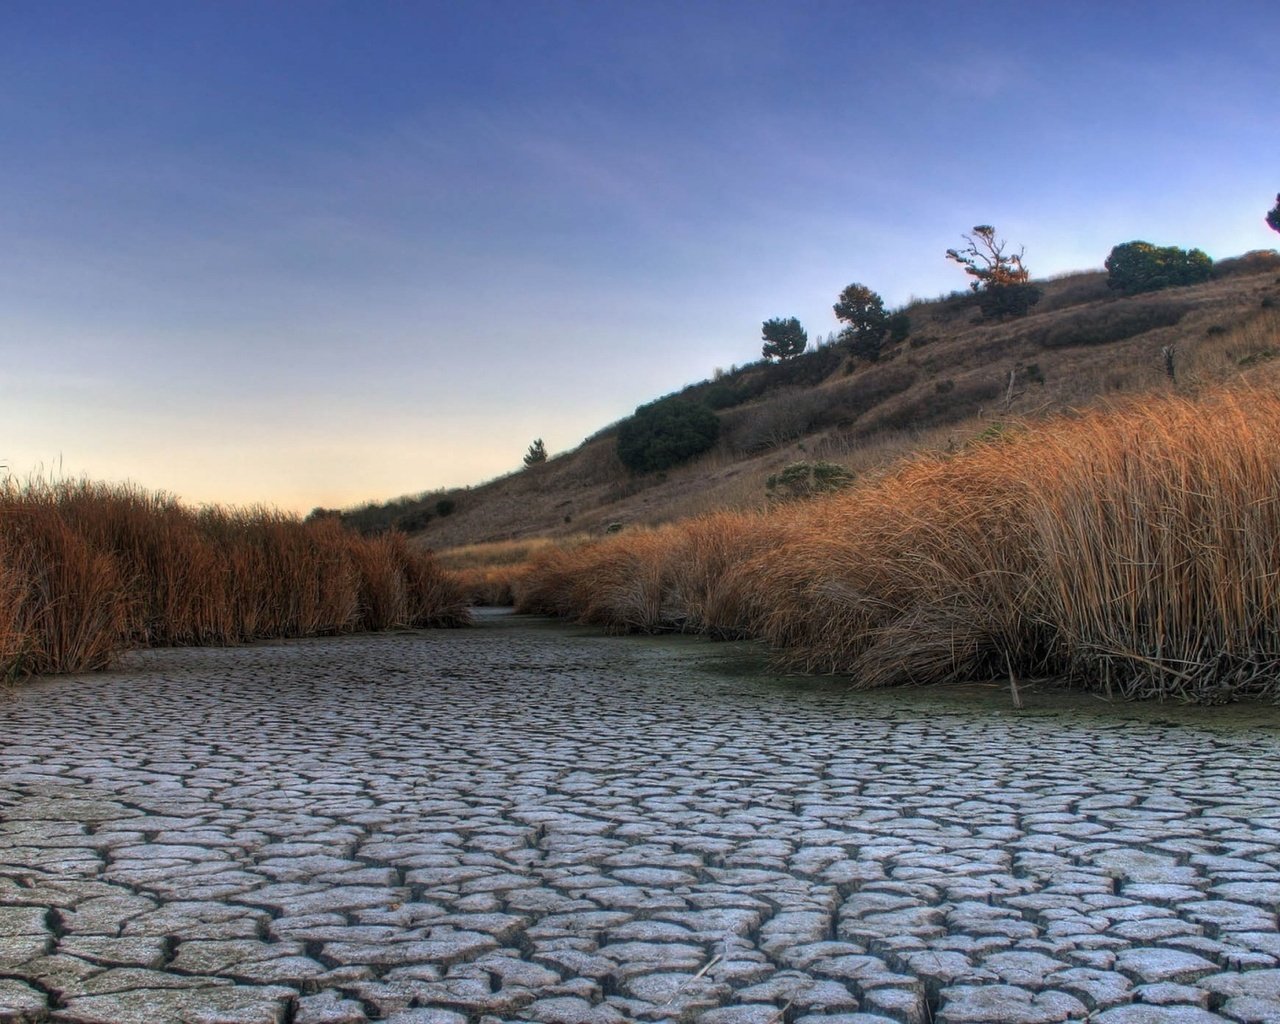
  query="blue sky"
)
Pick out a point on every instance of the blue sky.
point(316, 253)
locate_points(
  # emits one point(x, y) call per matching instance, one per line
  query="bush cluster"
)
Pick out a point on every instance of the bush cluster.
point(790, 415)
point(1006, 301)
point(666, 433)
point(1136, 267)
point(965, 397)
point(807, 479)
point(1256, 261)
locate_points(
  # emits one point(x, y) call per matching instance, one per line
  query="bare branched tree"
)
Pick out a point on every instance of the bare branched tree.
point(985, 260)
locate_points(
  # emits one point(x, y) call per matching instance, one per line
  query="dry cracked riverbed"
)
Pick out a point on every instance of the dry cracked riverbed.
point(528, 822)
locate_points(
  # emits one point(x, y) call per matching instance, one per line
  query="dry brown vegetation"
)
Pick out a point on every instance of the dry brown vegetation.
point(487, 572)
point(87, 570)
point(1131, 550)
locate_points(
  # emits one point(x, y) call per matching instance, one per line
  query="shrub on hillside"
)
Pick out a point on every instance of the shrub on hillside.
point(666, 433)
point(1003, 302)
point(747, 385)
point(899, 327)
point(1135, 267)
point(804, 371)
point(721, 396)
point(788, 416)
point(1073, 290)
point(806, 480)
point(963, 399)
point(774, 422)
point(1112, 323)
point(868, 388)
point(413, 522)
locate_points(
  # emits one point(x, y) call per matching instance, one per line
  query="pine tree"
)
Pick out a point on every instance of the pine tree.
point(537, 453)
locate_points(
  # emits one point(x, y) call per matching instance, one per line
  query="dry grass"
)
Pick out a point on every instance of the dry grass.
point(491, 586)
point(501, 553)
point(488, 573)
point(65, 602)
point(1131, 550)
point(87, 570)
point(1220, 351)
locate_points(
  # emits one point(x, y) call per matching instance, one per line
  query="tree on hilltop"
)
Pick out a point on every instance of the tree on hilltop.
point(537, 453)
point(1000, 279)
point(783, 339)
point(863, 311)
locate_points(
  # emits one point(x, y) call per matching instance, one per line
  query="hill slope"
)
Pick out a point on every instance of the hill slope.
point(951, 378)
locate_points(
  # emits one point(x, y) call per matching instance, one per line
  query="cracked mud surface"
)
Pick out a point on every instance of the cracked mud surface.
point(533, 823)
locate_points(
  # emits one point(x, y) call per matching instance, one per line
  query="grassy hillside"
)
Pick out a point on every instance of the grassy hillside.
point(950, 379)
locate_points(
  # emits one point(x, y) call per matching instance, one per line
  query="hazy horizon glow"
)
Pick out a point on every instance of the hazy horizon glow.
point(320, 254)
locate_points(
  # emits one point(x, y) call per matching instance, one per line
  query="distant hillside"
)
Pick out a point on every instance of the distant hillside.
point(953, 376)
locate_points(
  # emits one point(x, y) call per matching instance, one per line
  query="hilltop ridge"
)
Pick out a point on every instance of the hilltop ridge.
point(951, 377)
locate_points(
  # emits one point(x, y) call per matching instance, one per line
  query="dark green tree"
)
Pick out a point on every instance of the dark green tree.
point(1273, 217)
point(665, 433)
point(1136, 267)
point(537, 453)
point(1000, 278)
point(863, 311)
point(783, 339)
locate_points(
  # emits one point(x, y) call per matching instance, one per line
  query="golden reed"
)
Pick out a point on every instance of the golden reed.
point(87, 570)
point(1132, 550)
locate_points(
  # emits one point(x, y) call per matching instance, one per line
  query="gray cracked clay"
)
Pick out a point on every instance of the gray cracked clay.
point(534, 823)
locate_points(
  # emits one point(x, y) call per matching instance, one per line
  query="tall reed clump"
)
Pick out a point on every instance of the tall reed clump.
point(1130, 550)
point(646, 580)
point(617, 582)
point(64, 602)
point(1158, 534)
point(490, 572)
point(87, 570)
point(912, 579)
point(168, 565)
